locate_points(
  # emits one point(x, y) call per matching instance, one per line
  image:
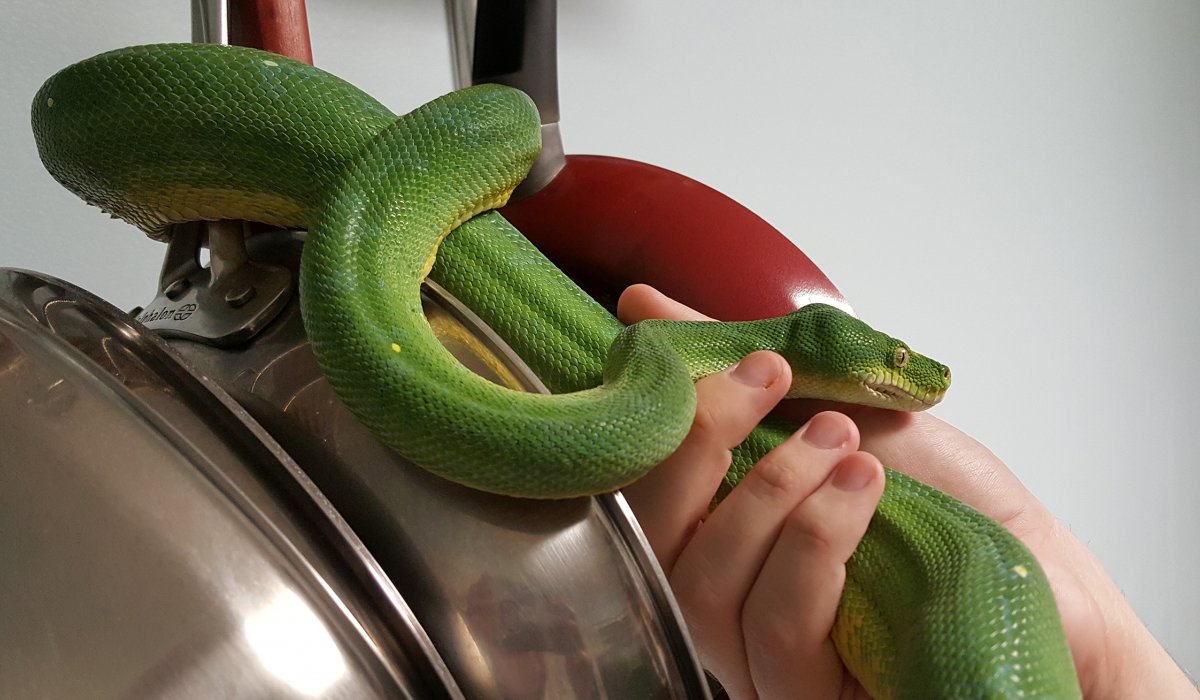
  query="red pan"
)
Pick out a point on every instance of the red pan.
point(611, 222)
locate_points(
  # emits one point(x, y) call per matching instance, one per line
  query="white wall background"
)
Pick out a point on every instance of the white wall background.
point(1014, 187)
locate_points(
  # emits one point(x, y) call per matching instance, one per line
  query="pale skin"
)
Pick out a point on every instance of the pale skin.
point(758, 580)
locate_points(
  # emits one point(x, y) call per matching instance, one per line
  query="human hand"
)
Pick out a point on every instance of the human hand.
point(759, 580)
point(1115, 655)
point(739, 617)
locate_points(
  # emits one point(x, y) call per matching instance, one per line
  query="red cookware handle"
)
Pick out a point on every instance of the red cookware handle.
point(279, 26)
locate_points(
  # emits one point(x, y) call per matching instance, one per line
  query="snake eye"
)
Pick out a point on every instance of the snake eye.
point(901, 357)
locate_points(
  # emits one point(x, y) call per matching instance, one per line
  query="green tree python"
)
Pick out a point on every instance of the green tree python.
point(939, 602)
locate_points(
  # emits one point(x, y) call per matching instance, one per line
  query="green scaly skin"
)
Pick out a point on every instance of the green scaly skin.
point(940, 602)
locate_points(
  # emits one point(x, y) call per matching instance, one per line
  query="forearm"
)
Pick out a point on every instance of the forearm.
point(1130, 662)
point(1142, 668)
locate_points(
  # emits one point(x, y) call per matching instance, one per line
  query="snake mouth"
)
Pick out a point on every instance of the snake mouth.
point(888, 394)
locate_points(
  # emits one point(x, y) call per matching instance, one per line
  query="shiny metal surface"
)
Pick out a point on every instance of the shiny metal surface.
point(156, 543)
point(460, 21)
point(210, 21)
point(523, 599)
point(160, 541)
point(224, 303)
point(514, 44)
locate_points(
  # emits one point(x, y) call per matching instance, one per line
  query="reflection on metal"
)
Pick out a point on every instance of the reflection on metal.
point(151, 531)
point(460, 16)
point(513, 44)
point(293, 644)
point(161, 541)
point(210, 21)
point(522, 599)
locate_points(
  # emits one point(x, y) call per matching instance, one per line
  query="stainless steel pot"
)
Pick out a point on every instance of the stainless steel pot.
point(158, 543)
point(203, 518)
point(188, 511)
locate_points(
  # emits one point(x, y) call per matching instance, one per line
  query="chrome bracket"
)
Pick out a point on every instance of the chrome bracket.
point(226, 303)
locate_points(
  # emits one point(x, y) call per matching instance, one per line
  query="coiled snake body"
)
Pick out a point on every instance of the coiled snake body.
point(939, 601)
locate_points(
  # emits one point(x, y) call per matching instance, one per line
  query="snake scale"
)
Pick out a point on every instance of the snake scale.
point(939, 602)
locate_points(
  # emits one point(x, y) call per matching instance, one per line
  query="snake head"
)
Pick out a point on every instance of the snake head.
point(836, 356)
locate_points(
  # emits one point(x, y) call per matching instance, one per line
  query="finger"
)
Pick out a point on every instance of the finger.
point(936, 453)
point(790, 611)
point(714, 575)
point(674, 497)
point(641, 301)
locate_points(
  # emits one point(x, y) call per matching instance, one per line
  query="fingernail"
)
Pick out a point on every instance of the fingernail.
point(853, 475)
point(759, 369)
point(826, 431)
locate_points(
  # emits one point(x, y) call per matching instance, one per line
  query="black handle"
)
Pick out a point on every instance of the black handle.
point(515, 45)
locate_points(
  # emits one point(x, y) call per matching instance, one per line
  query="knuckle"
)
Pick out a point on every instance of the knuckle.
point(774, 479)
point(725, 413)
point(813, 536)
point(707, 423)
point(704, 439)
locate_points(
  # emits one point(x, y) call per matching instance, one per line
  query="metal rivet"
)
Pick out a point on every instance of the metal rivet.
point(239, 296)
point(177, 288)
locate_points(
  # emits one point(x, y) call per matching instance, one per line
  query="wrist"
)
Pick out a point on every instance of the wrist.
point(1128, 662)
point(1136, 665)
